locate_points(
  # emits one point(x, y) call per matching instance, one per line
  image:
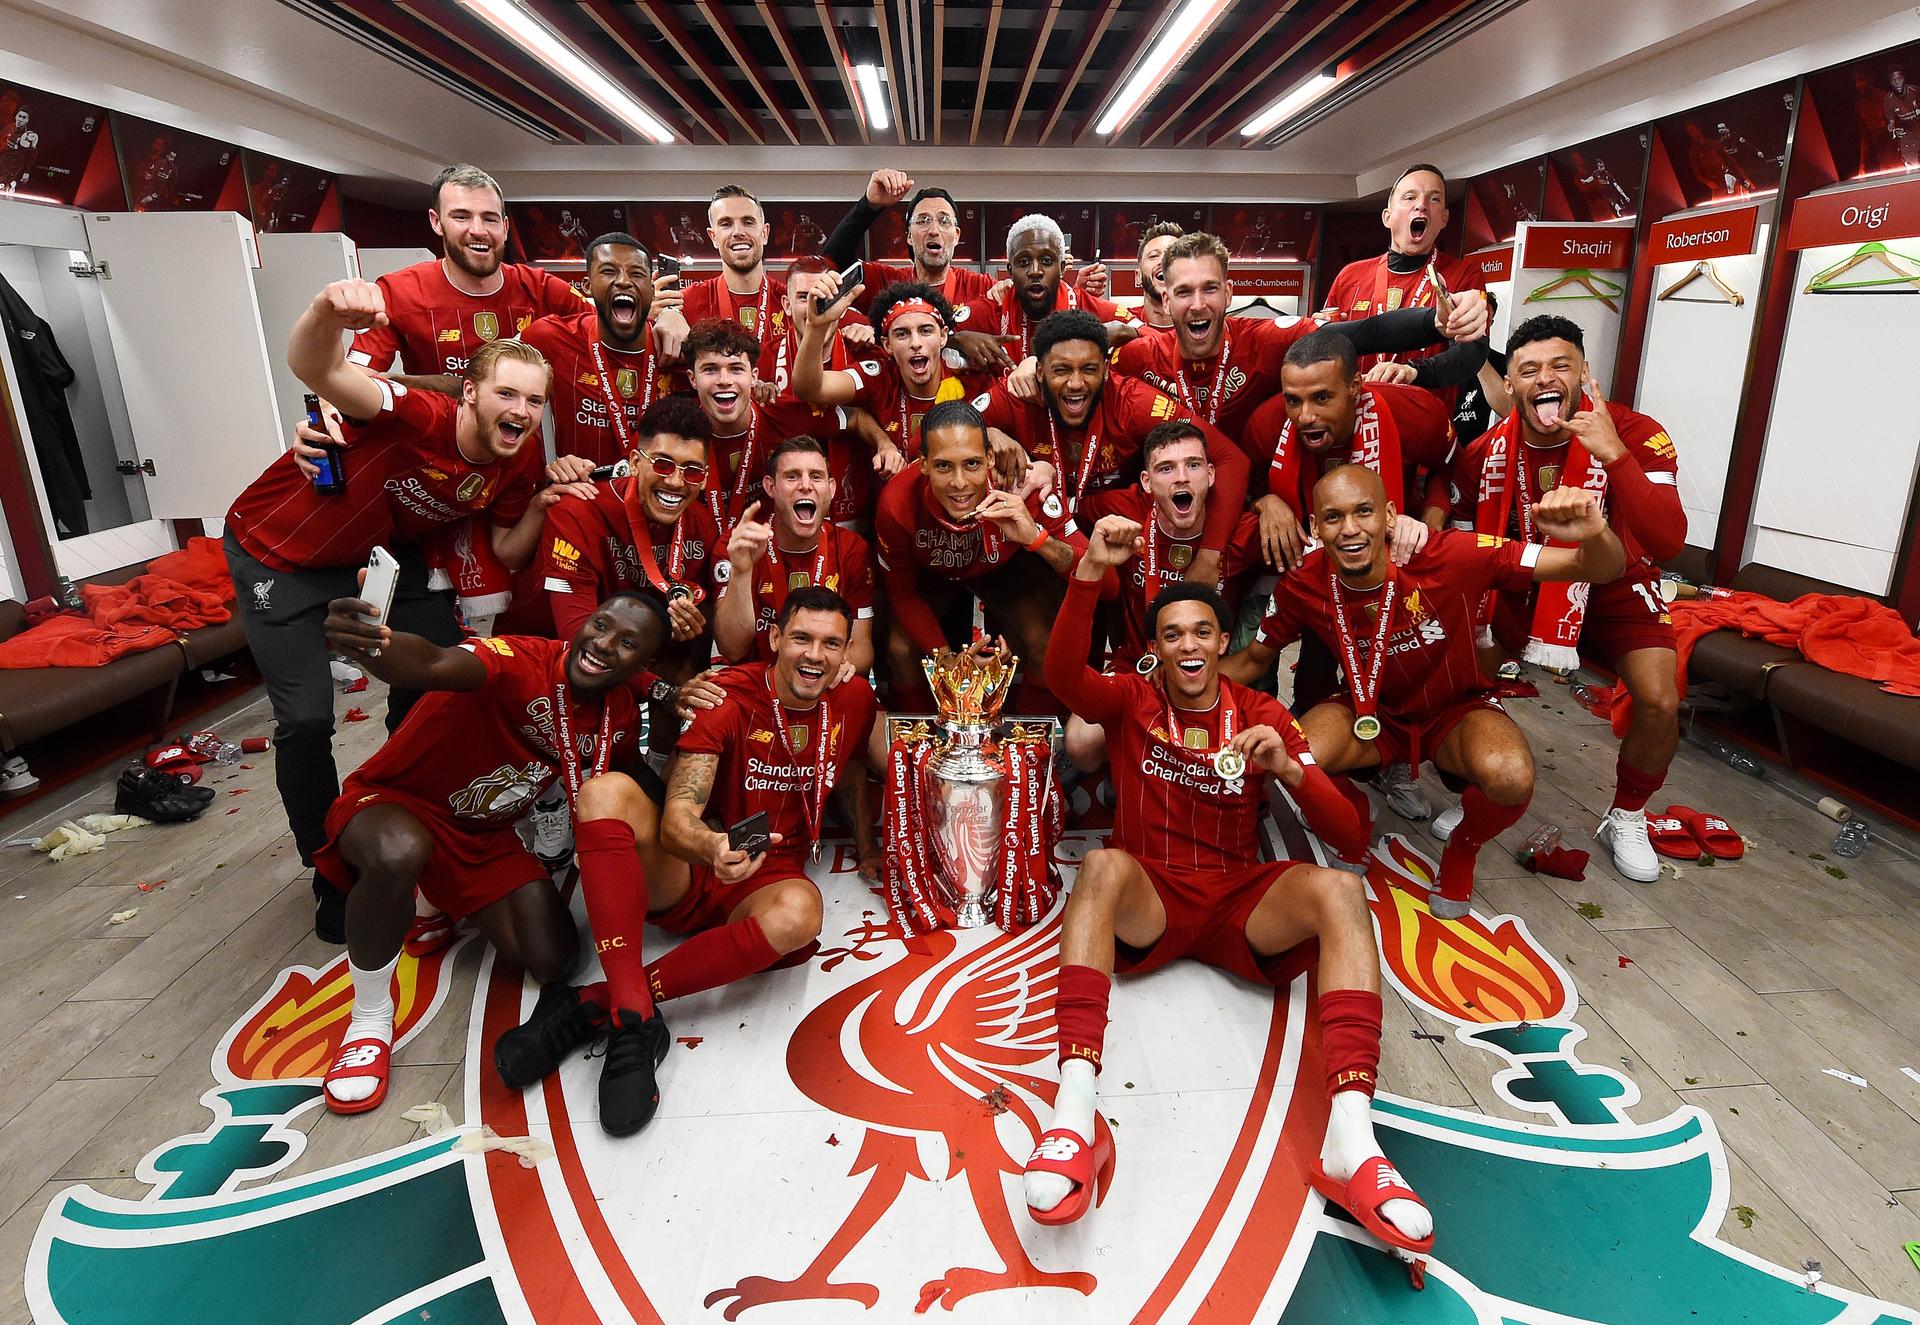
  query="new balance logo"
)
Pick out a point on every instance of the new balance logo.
point(1387, 1176)
point(360, 1055)
point(1056, 1149)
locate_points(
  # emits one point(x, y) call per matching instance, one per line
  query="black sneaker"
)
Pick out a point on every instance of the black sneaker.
point(629, 1090)
point(562, 1021)
point(329, 912)
point(158, 796)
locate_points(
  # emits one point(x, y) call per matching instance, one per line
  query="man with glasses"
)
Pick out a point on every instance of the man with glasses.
point(648, 531)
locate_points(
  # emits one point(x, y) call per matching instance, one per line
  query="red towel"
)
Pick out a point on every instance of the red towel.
point(178, 592)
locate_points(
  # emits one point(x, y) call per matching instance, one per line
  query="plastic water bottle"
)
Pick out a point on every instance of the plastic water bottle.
point(209, 745)
point(1851, 840)
point(1735, 758)
point(1541, 840)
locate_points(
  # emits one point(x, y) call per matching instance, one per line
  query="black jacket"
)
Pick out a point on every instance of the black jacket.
point(45, 375)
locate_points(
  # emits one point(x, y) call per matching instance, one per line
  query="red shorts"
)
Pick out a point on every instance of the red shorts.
point(709, 902)
point(1623, 616)
point(1414, 742)
point(469, 869)
point(1207, 920)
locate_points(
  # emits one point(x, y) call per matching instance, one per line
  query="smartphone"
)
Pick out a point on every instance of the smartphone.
point(1438, 283)
point(383, 573)
point(753, 835)
point(848, 279)
point(665, 264)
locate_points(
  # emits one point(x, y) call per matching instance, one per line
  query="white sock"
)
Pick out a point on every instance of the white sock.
point(1073, 1106)
point(372, 1020)
point(1351, 1143)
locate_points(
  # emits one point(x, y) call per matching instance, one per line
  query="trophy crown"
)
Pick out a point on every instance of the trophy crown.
point(970, 688)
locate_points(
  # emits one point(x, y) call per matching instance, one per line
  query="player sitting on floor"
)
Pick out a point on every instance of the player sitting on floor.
point(1182, 876)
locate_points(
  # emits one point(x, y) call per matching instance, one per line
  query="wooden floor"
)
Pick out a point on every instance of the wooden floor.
point(1745, 984)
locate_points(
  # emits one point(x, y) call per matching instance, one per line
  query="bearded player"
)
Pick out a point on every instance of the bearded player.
point(434, 809)
point(1088, 425)
point(1222, 368)
point(1036, 257)
point(1151, 267)
point(793, 546)
point(1181, 876)
point(944, 529)
point(1564, 433)
point(1405, 637)
point(744, 292)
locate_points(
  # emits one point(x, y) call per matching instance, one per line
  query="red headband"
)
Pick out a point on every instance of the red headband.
point(906, 306)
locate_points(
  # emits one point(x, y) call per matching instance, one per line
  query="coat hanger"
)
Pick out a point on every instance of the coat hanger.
point(1898, 270)
point(1705, 269)
point(1589, 285)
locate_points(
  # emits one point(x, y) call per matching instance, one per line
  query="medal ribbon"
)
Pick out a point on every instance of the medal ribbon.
point(1366, 696)
point(1229, 718)
point(736, 500)
point(563, 728)
point(616, 411)
point(650, 564)
point(822, 758)
point(819, 573)
point(733, 304)
point(1089, 451)
point(1212, 411)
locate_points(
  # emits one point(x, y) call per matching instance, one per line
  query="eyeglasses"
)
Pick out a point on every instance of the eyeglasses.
point(691, 470)
point(934, 223)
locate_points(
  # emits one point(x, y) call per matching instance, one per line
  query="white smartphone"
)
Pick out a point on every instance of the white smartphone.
point(383, 573)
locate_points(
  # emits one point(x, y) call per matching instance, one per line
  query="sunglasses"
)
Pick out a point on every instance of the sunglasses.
point(691, 470)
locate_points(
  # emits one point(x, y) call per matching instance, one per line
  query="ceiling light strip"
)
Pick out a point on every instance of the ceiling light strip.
point(1183, 32)
point(524, 30)
point(868, 78)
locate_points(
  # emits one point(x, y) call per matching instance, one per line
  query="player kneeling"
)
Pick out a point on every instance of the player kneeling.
point(434, 810)
point(1181, 876)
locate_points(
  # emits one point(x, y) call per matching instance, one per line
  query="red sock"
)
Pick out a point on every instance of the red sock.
point(1350, 1039)
point(1482, 820)
point(1358, 799)
point(711, 959)
point(1633, 786)
point(615, 890)
point(1080, 1012)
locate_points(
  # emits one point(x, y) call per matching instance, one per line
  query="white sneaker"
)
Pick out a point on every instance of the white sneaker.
point(1442, 827)
point(552, 832)
point(1403, 795)
point(1625, 834)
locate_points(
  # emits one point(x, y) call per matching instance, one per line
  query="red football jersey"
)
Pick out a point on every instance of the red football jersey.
point(1170, 557)
point(1422, 424)
point(879, 390)
point(588, 550)
point(1642, 497)
point(914, 536)
point(1128, 409)
point(1430, 645)
point(1225, 390)
point(774, 762)
point(840, 561)
point(1366, 289)
point(1172, 808)
point(482, 756)
point(763, 313)
point(405, 478)
point(577, 400)
point(435, 328)
point(1005, 317)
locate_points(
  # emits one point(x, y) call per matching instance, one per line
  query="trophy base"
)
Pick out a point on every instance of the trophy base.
point(973, 913)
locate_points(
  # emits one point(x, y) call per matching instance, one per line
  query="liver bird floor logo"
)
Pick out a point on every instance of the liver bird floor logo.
point(841, 1141)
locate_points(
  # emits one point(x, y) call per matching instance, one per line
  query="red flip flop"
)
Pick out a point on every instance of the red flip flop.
point(1712, 833)
point(1089, 1168)
point(428, 934)
point(1670, 836)
point(364, 1057)
point(1373, 1184)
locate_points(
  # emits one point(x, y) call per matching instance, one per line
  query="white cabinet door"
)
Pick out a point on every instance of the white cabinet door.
point(293, 268)
point(185, 325)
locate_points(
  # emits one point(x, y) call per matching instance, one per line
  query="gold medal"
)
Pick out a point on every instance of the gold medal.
point(1229, 763)
point(1366, 726)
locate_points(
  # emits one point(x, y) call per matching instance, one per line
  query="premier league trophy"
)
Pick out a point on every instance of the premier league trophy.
point(971, 810)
